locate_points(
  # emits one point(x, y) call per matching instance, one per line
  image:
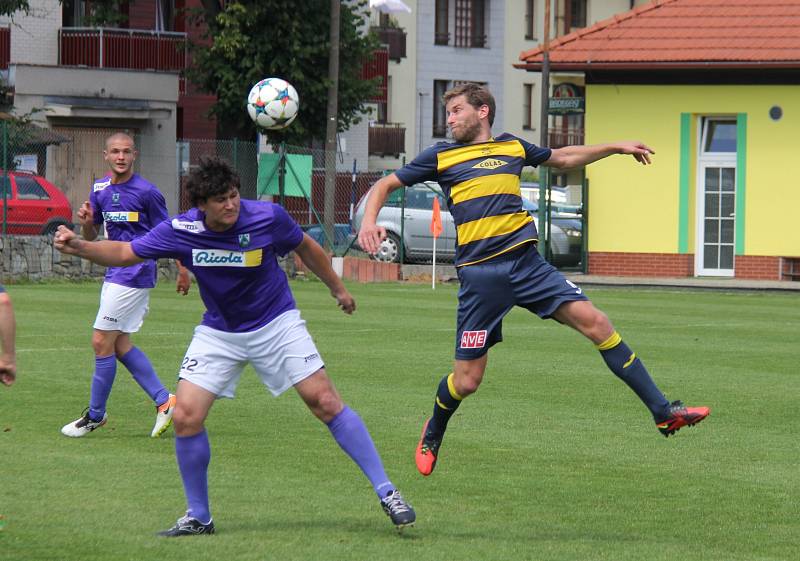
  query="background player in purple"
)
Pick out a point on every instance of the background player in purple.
point(497, 261)
point(129, 206)
point(231, 246)
point(8, 330)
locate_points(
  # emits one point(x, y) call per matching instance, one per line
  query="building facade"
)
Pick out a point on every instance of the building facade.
point(722, 116)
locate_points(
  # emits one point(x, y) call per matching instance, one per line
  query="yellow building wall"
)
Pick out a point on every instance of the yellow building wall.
point(635, 208)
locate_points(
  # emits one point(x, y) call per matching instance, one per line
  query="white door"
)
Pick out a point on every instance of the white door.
point(716, 197)
point(717, 217)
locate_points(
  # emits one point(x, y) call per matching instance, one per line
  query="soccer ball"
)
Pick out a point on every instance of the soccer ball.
point(273, 103)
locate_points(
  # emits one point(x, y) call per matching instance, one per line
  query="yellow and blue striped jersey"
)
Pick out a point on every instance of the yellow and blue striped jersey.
point(481, 184)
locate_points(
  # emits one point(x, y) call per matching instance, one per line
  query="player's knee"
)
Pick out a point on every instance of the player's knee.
point(102, 344)
point(186, 419)
point(467, 383)
point(328, 405)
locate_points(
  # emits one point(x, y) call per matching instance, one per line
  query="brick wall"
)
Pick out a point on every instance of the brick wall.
point(757, 267)
point(750, 267)
point(34, 37)
point(362, 270)
point(641, 264)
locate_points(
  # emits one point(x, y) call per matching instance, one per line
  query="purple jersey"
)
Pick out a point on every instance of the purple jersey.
point(237, 271)
point(129, 210)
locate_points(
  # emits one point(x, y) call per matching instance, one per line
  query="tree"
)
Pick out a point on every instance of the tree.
point(253, 39)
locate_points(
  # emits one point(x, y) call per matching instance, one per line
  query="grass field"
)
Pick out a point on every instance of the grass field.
point(553, 459)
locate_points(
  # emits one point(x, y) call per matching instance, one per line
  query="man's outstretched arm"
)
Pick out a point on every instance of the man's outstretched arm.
point(315, 258)
point(370, 235)
point(576, 156)
point(106, 252)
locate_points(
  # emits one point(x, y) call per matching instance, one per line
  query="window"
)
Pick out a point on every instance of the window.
point(165, 15)
point(73, 12)
point(719, 135)
point(478, 24)
point(442, 24)
point(439, 112)
point(530, 22)
point(527, 106)
point(29, 189)
point(470, 23)
point(577, 14)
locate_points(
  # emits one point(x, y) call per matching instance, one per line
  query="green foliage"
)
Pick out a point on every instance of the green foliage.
point(9, 7)
point(554, 459)
point(106, 13)
point(255, 39)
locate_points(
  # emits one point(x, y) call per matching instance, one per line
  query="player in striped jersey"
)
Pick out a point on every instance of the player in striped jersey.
point(497, 261)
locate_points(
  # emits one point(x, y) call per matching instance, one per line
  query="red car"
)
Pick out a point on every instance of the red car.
point(35, 206)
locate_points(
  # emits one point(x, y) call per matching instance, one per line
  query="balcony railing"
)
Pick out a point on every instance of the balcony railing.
point(561, 138)
point(395, 38)
point(134, 49)
point(378, 66)
point(387, 139)
point(5, 47)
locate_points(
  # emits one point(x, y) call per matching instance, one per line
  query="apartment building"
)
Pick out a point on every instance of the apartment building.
point(83, 82)
point(450, 41)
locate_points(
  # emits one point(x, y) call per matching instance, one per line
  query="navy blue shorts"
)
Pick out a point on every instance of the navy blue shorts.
point(489, 291)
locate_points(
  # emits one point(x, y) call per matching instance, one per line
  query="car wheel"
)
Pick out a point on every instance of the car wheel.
point(51, 227)
point(389, 250)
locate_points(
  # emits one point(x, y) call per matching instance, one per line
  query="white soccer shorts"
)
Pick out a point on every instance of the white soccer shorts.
point(122, 308)
point(282, 354)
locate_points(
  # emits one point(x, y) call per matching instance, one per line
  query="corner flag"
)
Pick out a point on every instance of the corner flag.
point(436, 219)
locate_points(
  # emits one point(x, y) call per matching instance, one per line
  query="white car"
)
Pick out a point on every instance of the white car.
point(416, 234)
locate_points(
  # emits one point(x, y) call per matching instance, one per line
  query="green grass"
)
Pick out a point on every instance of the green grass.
point(553, 459)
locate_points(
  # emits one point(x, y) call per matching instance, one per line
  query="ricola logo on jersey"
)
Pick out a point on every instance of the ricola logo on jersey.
point(225, 258)
point(121, 216)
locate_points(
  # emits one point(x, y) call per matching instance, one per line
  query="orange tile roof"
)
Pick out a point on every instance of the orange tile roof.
point(683, 33)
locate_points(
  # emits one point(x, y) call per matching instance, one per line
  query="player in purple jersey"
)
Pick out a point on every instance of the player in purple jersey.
point(231, 246)
point(496, 258)
point(129, 206)
point(8, 328)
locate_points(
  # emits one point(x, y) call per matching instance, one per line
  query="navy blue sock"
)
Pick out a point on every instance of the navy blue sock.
point(623, 362)
point(447, 401)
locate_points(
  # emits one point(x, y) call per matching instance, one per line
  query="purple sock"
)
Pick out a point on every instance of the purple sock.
point(194, 454)
point(142, 371)
point(351, 434)
point(105, 369)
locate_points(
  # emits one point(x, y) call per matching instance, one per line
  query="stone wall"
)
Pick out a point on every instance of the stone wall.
point(33, 258)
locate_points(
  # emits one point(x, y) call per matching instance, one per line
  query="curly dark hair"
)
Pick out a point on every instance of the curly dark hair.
point(213, 177)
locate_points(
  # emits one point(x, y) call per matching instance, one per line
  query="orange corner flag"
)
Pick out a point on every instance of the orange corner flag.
point(436, 219)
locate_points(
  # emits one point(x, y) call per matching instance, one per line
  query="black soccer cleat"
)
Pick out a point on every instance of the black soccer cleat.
point(681, 416)
point(188, 526)
point(396, 508)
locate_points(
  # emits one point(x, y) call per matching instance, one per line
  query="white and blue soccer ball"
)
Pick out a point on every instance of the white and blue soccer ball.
point(273, 103)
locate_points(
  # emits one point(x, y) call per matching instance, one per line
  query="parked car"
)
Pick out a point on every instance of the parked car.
point(34, 205)
point(417, 238)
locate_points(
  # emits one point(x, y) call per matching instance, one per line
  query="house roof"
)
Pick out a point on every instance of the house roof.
point(682, 34)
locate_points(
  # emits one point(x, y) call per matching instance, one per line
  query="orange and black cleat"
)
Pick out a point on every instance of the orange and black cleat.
point(427, 451)
point(681, 416)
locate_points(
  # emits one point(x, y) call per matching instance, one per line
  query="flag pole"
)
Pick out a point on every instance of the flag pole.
point(433, 273)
